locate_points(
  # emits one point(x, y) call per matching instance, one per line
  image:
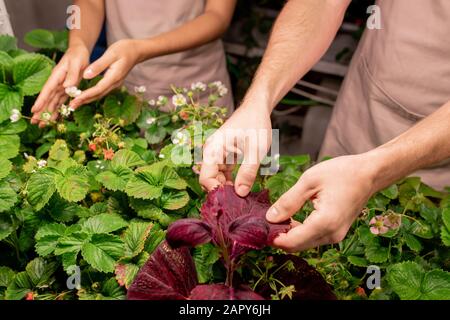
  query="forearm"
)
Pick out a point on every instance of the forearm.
point(423, 145)
point(92, 18)
point(205, 28)
point(301, 35)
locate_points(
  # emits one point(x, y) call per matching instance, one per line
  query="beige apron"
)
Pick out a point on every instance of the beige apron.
point(399, 75)
point(139, 19)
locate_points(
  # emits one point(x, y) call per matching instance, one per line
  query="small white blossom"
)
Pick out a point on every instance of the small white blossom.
point(152, 102)
point(179, 100)
point(41, 163)
point(140, 89)
point(162, 101)
point(180, 138)
point(223, 91)
point(150, 120)
point(65, 111)
point(15, 115)
point(198, 86)
point(73, 92)
point(25, 155)
point(46, 116)
point(161, 156)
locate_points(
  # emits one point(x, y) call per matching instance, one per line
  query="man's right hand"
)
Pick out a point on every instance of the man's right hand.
point(248, 134)
point(66, 74)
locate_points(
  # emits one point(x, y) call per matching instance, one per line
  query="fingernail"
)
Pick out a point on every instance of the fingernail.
point(88, 73)
point(272, 213)
point(243, 190)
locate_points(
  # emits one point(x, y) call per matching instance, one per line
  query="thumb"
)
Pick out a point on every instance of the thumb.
point(98, 66)
point(245, 178)
point(290, 202)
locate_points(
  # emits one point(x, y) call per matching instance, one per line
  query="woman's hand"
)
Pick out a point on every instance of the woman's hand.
point(118, 61)
point(67, 73)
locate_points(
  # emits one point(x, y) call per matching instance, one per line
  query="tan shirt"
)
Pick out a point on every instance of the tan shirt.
point(148, 18)
point(399, 75)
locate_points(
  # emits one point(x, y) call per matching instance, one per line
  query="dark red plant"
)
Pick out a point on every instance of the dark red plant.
point(234, 224)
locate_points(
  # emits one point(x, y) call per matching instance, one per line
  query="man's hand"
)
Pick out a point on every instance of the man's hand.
point(248, 134)
point(118, 61)
point(67, 73)
point(339, 189)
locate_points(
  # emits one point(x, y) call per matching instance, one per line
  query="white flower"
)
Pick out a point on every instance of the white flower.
point(198, 86)
point(25, 155)
point(41, 163)
point(15, 115)
point(179, 100)
point(217, 84)
point(150, 120)
point(152, 102)
point(46, 116)
point(223, 91)
point(73, 92)
point(181, 138)
point(140, 89)
point(162, 101)
point(161, 156)
point(65, 111)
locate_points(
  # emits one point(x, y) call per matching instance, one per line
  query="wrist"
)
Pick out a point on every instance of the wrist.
point(144, 48)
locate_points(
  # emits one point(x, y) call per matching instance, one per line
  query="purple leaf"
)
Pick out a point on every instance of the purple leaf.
point(223, 207)
point(169, 274)
point(188, 232)
point(249, 231)
point(222, 292)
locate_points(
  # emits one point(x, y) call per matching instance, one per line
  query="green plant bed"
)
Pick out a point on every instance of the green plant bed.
point(93, 194)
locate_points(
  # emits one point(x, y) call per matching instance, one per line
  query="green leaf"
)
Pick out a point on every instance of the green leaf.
point(406, 279)
point(74, 184)
point(8, 196)
point(116, 179)
point(104, 223)
point(102, 251)
point(112, 291)
point(5, 167)
point(410, 282)
point(45, 39)
point(48, 236)
point(421, 229)
point(375, 252)
point(358, 261)
point(6, 276)
point(9, 145)
point(19, 287)
point(69, 259)
point(135, 237)
point(174, 200)
point(412, 242)
point(155, 134)
point(170, 179)
point(148, 210)
point(71, 243)
point(59, 151)
point(294, 161)
point(6, 225)
point(7, 43)
point(125, 273)
point(8, 127)
point(127, 110)
point(390, 192)
point(445, 229)
point(40, 271)
point(9, 99)
point(40, 188)
point(127, 158)
point(280, 183)
point(142, 186)
point(204, 257)
point(436, 285)
point(30, 72)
